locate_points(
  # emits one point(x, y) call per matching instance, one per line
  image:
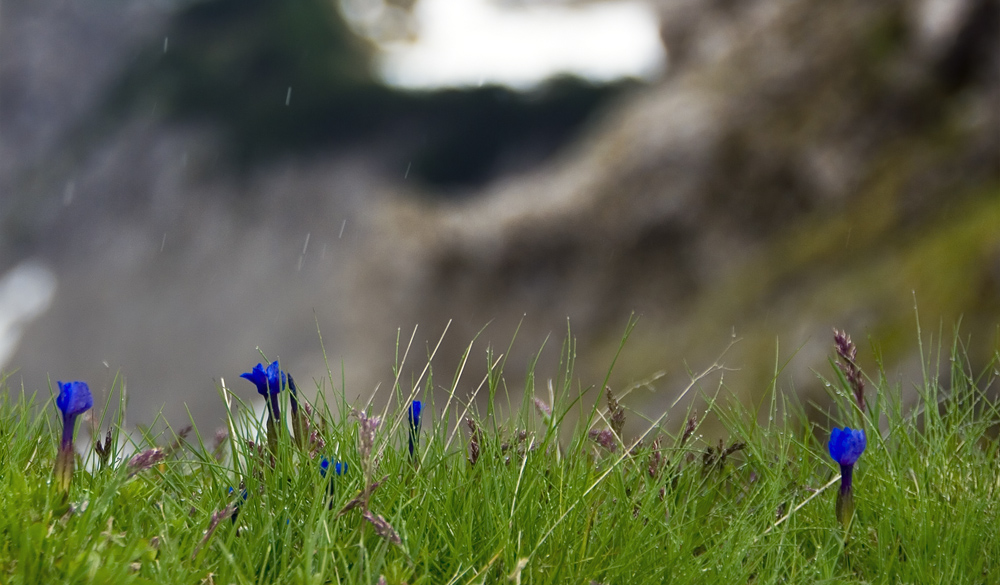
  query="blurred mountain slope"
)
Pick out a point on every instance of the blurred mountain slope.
point(806, 165)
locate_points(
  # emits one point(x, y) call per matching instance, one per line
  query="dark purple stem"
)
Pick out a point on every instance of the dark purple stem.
point(846, 476)
point(69, 421)
point(275, 407)
point(293, 395)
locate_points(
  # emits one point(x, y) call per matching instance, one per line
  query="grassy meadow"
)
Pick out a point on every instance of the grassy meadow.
point(541, 490)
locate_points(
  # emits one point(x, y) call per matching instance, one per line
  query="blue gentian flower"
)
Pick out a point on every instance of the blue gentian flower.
point(413, 416)
point(846, 446)
point(339, 468)
point(74, 399)
point(236, 506)
point(269, 382)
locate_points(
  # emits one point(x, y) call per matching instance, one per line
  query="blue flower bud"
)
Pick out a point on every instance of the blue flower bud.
point(269, 382)
point(339, 468)
point(846, 446)
point(239, 502)
point(413, 416)
point(74, 399)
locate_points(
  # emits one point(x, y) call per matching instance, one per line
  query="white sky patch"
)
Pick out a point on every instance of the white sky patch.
point(26, 291)
point(472, 42)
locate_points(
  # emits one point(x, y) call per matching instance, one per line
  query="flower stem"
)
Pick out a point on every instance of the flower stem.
point(64, 467)
point(273, 423)
point(845, 497)
point(66, 456)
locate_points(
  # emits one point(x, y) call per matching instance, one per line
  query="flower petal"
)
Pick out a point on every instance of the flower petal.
point(259, 378)
point(413, 415)
point(74, 398)
point(275, 378)
point(847, 445)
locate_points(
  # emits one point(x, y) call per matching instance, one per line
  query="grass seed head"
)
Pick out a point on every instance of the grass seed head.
point(616, 413)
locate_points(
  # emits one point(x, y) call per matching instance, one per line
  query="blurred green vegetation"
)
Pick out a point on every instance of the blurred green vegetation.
point(915, 235)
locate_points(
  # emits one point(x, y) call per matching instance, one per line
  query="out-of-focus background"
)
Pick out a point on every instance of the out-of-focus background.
point(184, 182)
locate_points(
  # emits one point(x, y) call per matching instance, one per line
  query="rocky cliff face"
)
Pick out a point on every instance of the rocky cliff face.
point(804, 165)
